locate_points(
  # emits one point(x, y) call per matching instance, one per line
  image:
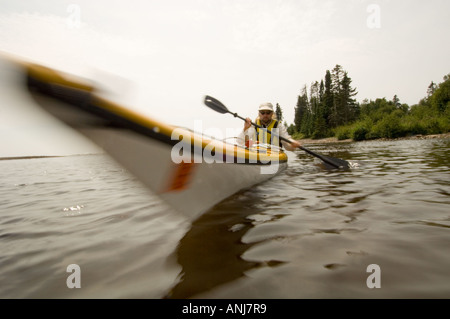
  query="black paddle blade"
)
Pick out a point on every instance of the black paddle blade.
point(337, 162)
point(331, 161)
point(215, 104)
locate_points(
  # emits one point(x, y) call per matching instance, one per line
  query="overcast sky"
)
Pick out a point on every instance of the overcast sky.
point(162, 57)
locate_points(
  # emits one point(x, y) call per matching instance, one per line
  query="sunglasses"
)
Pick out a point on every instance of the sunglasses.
point(265, 112)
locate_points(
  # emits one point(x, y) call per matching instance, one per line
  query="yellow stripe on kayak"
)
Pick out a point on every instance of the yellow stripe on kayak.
point(51, 76)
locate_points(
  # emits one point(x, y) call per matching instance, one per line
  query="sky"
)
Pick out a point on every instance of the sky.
point(161, 58)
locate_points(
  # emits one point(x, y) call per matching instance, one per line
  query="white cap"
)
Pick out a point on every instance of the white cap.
point(266, 107)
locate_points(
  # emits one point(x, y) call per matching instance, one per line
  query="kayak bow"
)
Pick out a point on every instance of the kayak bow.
point(187, 171)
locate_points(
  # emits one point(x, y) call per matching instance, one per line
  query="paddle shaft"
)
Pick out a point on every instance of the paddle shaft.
point(259, 126)
point(323, 158)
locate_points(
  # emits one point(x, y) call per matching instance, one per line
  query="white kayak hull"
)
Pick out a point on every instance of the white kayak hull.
point(187, 171)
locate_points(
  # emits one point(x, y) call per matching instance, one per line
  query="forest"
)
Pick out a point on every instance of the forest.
point(329, 108)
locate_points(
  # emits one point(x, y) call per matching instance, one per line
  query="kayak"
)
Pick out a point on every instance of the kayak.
point(189, 171)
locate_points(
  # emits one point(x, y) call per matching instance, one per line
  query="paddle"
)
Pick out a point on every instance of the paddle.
point(217, 106)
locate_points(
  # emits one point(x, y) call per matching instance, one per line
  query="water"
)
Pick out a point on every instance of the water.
point(307, 233)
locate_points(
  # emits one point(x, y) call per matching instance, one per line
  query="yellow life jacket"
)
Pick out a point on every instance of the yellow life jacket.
point(265, 137)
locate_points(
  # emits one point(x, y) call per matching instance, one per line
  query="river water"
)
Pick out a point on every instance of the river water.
point(380, 230)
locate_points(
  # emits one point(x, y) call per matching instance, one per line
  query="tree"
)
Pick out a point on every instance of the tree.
point(291, 129)
point(314, 101)
point(321, 92)
point(331, 104)
point(337, 75)
point(318, 122)
point(327, 98)
point(344, 108)
point(396, 101)
point(279, 113)
point(319, 125)
point(301, 110)
point(348, 103)
point(431, 89)
point(440, 100)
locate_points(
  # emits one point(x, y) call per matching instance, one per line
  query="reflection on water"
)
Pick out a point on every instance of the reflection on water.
point(307, 233)
point(312, 232)
point(211, 251)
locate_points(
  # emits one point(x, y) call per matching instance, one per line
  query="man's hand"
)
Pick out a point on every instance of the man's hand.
point(247, 124)
point(296, 144)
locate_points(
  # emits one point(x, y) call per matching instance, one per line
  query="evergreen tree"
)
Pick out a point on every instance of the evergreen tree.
point(321, 92)
point(337, 74)
point(299, 113)
point(344, 108)
point(396, 101)
point(331, 103)
point(321, 113)
point(306, 125)
point(327, 98)
point(314, 100)
point(336, 112)
point(348, 106)
point(279, 113)
point(301, 110)
point(318, 124)
point(431, 89)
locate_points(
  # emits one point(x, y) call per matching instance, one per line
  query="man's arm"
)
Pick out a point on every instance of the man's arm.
point(283, 133)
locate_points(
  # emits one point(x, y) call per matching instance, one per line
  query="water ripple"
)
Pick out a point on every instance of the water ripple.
point(307, 233)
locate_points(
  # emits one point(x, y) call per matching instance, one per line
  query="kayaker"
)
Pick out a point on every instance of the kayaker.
point(267, 119)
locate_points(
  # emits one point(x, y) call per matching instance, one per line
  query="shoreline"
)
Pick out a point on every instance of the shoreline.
point(334, 140)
